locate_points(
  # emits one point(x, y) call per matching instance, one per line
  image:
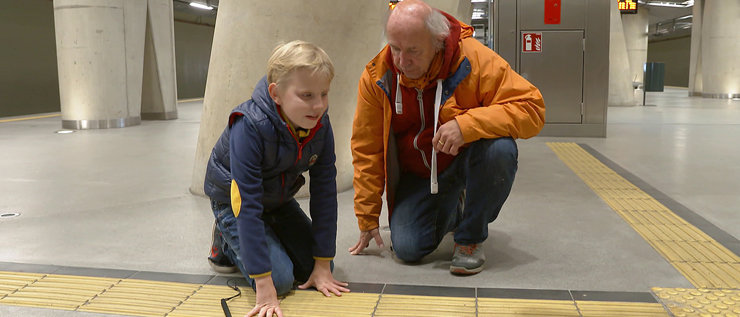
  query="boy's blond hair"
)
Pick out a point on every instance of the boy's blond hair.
point(295, 55)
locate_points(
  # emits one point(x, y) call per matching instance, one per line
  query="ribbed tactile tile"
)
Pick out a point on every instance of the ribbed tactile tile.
point(525, 307)
point(701, 302)
point(410, 305)
point(314, 304)
point(610, 309)
point(59, 292)
point(701, 259)
point(10, 282)
point(141, 298)
point(206, 302)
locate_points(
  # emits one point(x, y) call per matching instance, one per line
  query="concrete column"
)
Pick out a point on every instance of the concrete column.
point(720, 44)
point(159, 92)
point(620, 78)
point(351, 32)
point(99, 45)
point(636, 40)
point(460, 9)
point(695, 73)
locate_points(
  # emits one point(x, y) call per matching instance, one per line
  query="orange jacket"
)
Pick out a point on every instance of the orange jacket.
point(486, 97)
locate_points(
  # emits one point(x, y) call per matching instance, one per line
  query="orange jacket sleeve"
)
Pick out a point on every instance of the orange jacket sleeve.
point(368, 156)
point(510, 106)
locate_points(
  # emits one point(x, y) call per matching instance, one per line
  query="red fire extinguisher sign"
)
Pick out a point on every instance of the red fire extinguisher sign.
point(532, 42)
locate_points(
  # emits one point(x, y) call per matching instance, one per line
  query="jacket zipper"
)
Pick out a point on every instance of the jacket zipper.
point(300, 153)
point(420, 98)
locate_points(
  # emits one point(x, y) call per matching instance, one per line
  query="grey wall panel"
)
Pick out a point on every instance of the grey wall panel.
point(28, 61)
point(558, 72)
point(596, 64)
point(192, 54)
point(506, 32)
point(676, 54)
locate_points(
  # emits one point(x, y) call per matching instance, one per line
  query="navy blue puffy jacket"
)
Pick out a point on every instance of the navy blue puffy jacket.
point(258, 151)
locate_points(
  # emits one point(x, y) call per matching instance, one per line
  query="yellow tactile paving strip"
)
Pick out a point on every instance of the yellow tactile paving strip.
point(525, 307)
point(701, 259)
point(700, 302)
point(408, 305)
point(607, 309)
point(151, 298)
point(29, 118)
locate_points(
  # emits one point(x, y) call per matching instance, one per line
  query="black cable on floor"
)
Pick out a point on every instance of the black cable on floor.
point(224, 305)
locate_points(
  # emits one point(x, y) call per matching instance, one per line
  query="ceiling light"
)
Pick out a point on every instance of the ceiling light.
point(65, 131)
point(201, 6)
point(670, 4)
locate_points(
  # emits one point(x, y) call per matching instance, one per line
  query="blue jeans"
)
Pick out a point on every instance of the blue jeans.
point(485, 171)
point(289, 241)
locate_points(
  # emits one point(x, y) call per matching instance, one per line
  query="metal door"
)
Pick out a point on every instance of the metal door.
point(558, 72)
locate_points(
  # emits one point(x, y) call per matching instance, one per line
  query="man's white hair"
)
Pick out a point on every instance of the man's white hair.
point(439, 27)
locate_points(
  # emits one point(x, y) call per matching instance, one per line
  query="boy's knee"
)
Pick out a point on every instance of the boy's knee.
point(283, 283)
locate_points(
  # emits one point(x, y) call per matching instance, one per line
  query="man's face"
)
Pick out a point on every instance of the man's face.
point(412, 46)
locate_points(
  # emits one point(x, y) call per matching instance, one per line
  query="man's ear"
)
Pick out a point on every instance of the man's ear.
point(273, 90)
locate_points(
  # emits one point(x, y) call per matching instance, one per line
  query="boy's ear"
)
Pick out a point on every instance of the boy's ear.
point(272, 89)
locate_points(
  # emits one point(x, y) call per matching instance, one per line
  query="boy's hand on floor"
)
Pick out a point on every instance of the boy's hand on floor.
point(267, 303)
point(322, 279)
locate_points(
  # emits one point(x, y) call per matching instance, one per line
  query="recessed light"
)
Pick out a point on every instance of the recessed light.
point(64, 131)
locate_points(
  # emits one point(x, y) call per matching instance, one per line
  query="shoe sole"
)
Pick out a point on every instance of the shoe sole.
point(222, 269)
point(459, 270)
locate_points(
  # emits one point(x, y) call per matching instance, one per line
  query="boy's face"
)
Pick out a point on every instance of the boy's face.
point(303, 97)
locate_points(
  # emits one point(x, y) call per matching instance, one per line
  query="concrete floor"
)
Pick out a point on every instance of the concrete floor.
point(119, 199)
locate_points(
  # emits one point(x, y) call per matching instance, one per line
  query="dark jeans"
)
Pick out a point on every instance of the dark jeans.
point(485, 170)
point(289, 241)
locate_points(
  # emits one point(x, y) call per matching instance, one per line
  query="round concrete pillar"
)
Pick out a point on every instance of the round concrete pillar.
point(720, 44)
point(99, 45)
point(695, 82)
point(460, 9)
point(246, 32)
point(620, 78)
point(636, 40)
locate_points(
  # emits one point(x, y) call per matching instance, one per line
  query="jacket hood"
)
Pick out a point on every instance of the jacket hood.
point(263, 101)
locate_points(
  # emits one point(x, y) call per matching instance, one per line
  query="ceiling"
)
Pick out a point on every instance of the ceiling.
point(185, 13)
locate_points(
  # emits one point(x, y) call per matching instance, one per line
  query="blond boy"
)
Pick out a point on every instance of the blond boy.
point(256, 168)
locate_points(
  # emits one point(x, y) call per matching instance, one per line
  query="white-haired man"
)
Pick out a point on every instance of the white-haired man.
point(437, 115)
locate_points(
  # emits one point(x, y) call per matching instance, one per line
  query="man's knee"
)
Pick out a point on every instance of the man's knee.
point(500, 153)
point(408, 250)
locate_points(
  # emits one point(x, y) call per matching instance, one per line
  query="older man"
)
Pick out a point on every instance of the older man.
point(437, 115)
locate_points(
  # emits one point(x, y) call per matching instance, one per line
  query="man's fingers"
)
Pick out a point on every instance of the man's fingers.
point(326, 292)
point(304, 286)
point(278, 311)
point(378, 238)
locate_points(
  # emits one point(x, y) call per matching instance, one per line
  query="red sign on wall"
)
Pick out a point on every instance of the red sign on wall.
point(531, 42)
point(552, 11)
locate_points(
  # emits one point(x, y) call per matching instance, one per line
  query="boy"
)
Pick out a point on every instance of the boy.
point(255, 170)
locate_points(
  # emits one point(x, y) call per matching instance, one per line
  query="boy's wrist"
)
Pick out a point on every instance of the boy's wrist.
point(322, 264)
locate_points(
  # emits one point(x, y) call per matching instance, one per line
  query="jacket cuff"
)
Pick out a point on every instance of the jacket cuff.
point(253, 276)
point(367, 223)
point(466, 128)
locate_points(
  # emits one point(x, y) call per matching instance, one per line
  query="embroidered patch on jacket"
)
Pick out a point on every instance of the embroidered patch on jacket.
point(313, 159)
point(236, 198)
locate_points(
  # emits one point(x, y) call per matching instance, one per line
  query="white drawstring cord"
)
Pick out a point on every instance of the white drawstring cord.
point(437, 103)
point(399, 100)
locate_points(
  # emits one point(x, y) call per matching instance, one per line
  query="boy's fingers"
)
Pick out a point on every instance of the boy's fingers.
point(278, 311)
